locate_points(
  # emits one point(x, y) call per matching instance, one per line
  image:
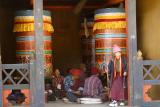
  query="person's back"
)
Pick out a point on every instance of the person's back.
point(93, 87)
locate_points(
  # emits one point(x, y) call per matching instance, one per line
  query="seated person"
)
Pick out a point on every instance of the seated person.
point(83, 74)
point(93, 87)
point(57, 84)
point(103, 76)
point(69, 81)
point(79, 83)
point(76, 85)
point(50, 96)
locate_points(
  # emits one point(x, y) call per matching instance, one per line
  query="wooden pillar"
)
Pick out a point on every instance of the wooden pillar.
point(37, 71)
point(132, 48)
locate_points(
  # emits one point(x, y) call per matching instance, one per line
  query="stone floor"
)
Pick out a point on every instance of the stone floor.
point(73, 105)
point(62, 104)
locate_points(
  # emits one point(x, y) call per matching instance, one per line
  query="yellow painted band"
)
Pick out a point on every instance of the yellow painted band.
point(109, 25)
point(27, 27)
point(30, 18)
point(110, 17)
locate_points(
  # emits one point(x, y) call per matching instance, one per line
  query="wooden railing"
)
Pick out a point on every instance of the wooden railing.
point(15, 76)
point(150, 73)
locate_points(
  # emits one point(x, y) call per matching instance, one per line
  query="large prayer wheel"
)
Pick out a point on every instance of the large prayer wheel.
point(109, 29)
point(88, 43)
point(25, 38)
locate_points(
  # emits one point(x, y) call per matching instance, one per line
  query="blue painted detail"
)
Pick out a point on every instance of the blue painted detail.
point(25, 53)
point(31, 38)
point(30, 13)
point(47, 37)
point(27, 38)
point(111, 36)
point(110, 10)
point(108, 50)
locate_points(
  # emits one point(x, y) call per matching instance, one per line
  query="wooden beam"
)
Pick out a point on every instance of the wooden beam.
point(78, 8)
point(58, 7)
point(70, 7)
point(135, 94)
point(87, 6)
point(113, 2)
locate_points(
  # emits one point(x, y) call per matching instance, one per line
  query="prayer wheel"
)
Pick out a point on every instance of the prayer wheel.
point(109, 29)
point(88, 43)
point(25, 38)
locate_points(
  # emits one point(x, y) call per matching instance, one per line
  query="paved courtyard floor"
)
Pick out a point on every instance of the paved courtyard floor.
point(62, 104)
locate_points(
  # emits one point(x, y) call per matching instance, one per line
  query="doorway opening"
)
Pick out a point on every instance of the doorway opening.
point(73, 43)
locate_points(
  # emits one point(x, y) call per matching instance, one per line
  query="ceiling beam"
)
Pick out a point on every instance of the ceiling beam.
point(113, 2)
point(87, 6)
point(71, 7)
point(79, 6)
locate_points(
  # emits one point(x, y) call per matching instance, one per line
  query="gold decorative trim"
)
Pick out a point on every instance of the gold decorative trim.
point(28, 27)
point(109, 25)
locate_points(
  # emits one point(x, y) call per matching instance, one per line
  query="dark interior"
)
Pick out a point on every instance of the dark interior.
point(66, 38)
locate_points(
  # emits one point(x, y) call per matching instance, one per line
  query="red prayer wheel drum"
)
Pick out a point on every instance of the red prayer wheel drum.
point(88, 43)
point(25, 38)
point(109, 29)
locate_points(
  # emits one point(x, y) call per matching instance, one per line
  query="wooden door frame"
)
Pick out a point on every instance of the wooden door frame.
point(1, 86)
point(37, 98)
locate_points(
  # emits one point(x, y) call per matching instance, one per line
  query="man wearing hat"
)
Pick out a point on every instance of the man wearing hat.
point(117, 68)
point(69, 81)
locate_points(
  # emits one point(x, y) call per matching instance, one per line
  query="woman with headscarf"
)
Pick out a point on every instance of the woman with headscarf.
point(117, 68)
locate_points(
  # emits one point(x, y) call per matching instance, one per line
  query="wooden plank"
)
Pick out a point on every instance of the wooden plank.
point(10, 87)
point(32, 85)
point(151, 104)
point(137, 84)
point(151, 62)
point(129, 79)
point(151, 82)
point(39, 62)
point(15, 66)
point(1, 84)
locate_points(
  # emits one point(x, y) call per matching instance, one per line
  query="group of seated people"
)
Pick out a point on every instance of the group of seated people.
point(79, 84)
point(78, 87)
